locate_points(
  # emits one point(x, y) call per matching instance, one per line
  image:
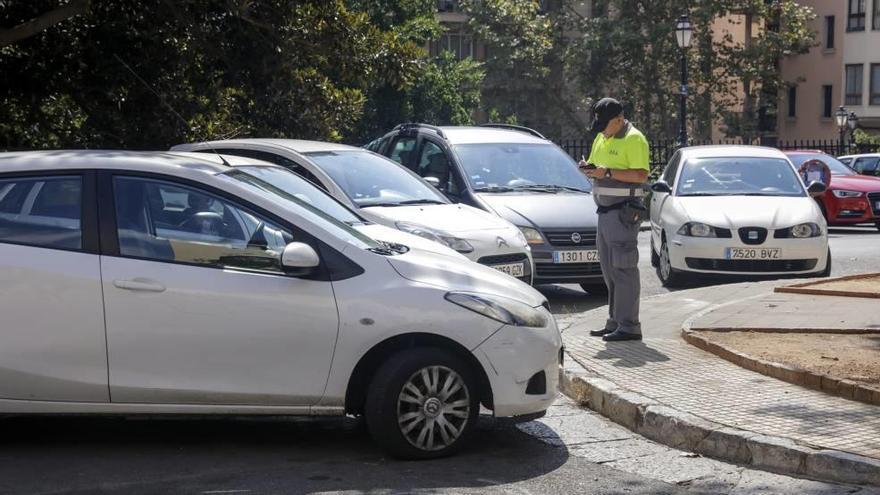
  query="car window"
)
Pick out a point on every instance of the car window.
point(672, 169)
point(835, 165)
point(490, 166)
point(845, 161)
point(43, 211)
point(277, 160)
point(735, 176)
point(373, 180)
point(867, 165)
point(403, 149)
point(165, 221)
point(433, 162)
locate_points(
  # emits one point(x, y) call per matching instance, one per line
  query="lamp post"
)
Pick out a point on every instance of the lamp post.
point(683, 33)
point(841, 117)
point(853, 122)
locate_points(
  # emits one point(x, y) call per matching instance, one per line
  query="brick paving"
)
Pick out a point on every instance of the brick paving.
point(665, 368)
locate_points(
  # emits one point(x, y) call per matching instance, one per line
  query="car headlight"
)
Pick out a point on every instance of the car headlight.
point(521, 239)
point(456, 243)
point(531, 235)
point(842, 193)
point(805, 230)
point(697, 229)
point(500, 309)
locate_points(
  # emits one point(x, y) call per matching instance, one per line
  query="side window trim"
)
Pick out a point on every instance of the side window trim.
point(89, 243)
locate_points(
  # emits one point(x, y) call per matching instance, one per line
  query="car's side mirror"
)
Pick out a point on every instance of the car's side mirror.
point(299, 258)
point(435, 182)
point(661, 187)
point(816, 188)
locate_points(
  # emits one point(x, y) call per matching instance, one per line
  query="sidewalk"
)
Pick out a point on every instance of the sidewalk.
point(677, 394)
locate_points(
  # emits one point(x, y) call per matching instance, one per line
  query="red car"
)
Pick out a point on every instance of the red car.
point(851, 198)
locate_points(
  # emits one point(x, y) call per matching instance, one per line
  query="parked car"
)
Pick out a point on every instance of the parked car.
point(851, 199)
point(865, 164)
point(735, 210)
point(386, 193)
point(153, 283)
point(519, 175)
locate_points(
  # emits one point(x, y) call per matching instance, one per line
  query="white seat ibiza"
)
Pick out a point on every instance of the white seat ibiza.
point(185, 284)
point(389, 194)
point(735, 210)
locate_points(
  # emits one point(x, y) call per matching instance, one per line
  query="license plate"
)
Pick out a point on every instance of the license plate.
point(583, 256)
point(877, 205)
point(512, 269)
point(753, 253)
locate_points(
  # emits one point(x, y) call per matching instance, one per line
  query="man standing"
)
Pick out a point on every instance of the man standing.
point(618, 163)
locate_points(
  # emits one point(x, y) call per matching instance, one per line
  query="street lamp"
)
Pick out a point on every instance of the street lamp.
point(683, 33)
point(853, 123)
point(841, 117)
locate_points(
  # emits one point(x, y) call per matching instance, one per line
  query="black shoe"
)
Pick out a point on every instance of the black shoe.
point(600, 333)
point(621, 336)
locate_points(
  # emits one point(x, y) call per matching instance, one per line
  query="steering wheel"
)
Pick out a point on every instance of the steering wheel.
point(205, 222)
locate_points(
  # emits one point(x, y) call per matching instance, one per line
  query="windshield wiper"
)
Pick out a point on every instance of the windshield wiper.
point(494, 189)
point(352, 223)
point(703, 194)
point(422, 202)
point(554, 187)
point(367, 205)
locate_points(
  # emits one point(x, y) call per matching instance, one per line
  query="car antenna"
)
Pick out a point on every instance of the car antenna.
point(168, 106)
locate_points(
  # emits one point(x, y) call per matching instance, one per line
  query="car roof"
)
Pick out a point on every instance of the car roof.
point(297, 145)
point(477, 135)
point(147, 161)
point(860, 155)
point(730, 151)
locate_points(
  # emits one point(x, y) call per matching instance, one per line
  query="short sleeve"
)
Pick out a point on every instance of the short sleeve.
point(594, 149)
point(638, 153)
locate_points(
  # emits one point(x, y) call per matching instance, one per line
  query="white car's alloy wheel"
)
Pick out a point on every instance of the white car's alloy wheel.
point(433, 408)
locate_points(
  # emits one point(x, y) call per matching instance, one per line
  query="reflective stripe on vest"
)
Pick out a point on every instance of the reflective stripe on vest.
point(635, 191)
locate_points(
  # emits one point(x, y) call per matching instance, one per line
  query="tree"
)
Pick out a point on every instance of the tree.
point(42, 21)
point(273, 68)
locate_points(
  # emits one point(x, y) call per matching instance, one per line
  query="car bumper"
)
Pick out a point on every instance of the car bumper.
point(522, 365)
point(700, 255)
point(487, 251)
point(852, 211)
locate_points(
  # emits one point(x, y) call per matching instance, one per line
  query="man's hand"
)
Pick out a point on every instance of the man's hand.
point(596, 173)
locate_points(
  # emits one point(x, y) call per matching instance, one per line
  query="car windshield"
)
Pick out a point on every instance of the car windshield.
point(836, 166)
point(510, 167)
point(739, 176)
point(372, 180)
point(283, 186)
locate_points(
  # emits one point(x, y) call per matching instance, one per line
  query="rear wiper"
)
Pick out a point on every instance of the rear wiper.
point(422, 202)
point(494, 189)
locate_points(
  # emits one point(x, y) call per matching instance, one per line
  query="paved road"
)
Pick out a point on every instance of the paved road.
point(570, 451)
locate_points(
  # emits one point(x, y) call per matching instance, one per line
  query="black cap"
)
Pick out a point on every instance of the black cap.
point(603, 111)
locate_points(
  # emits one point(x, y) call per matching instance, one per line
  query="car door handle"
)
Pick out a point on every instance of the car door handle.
point(139, 284)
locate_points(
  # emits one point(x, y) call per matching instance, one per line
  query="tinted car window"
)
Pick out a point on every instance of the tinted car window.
point(869, 165)
point(43, 212)
point(164, 221)
point(402, 150)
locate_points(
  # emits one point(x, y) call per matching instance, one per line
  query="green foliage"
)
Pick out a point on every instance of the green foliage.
point(271, 68)
point(863, 138)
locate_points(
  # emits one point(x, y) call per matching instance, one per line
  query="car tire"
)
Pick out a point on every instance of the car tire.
point(406, 398)
point(655, 258)
point(595, 288)
point(827, 271)
point(669, 277)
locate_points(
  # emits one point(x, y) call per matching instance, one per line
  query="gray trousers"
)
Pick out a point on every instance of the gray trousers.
point(619, 257)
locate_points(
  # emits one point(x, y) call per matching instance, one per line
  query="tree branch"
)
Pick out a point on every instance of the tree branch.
point(43, 22)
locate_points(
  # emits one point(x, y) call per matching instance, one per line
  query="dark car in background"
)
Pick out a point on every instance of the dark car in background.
point(521, 176)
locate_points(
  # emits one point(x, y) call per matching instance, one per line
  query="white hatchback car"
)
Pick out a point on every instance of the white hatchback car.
point(735, 210)
point(151, 283)
point(389, 194)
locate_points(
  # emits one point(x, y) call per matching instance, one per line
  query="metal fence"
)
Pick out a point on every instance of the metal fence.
point(661, 151)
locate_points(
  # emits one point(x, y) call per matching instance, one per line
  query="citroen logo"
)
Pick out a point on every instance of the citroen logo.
point(501, 242)
point(432, 407)
point(576, 237)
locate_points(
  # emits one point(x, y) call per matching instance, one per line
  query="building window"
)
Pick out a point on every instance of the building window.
point(792, 101)
point(875, 83)
point(460, 44)
point(827, 102)
point(876, 22)
point(829, 32)
point(854, 76)
point(856, 18)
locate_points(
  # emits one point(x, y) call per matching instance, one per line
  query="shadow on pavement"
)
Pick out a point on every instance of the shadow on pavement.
point(256, 455)
point(630, 354)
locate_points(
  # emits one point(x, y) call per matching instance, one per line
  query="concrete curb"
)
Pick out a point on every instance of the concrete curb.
point(805, 288)
point(684, 431)
point(669, 426)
